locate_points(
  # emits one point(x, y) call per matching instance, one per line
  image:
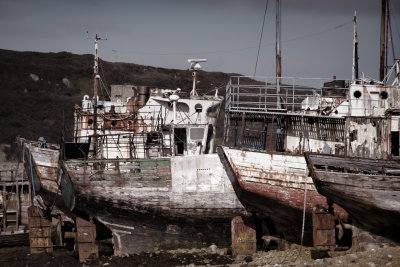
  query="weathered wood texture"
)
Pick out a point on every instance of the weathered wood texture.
point(86, 240)
point(143, 200)
point(194, 186)
point(39, 231)
point(360, 187)
point(243, 237)
point(323, 229)
point(41, 167)
point(274, 185)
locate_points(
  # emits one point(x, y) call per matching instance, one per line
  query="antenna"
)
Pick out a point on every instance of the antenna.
point(354, 75)
point(96, 59)
point(195, 66)
point(96, 76)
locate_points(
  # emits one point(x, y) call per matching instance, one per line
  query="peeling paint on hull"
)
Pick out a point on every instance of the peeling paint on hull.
point(273, 185)
point(189, 202)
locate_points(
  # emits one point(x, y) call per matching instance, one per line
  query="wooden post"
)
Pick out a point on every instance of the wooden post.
point(18, 208)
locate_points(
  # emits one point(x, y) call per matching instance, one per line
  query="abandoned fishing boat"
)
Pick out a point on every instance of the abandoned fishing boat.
point(142, 165)
point(366, 181)
point(367, 189)
point(275, 122)
point(268, 125)
point(263, 152)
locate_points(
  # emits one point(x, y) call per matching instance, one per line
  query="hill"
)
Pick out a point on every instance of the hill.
point(38, 88)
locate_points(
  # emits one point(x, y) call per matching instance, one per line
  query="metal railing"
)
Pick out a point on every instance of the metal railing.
point(262, 95)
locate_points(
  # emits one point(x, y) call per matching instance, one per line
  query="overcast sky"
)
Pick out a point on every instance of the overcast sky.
point(317, 35)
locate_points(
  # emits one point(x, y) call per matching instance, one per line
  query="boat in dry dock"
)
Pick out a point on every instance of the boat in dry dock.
point(269, 124)
point(268, 127)
point(365, 181)
point(368, 189)
point(264, 145)
point(142, 165)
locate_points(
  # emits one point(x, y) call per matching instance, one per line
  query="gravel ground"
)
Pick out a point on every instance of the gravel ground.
point(212, 256)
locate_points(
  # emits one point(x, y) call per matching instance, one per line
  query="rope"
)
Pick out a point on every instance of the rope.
point(259, 44)
point(236, 49)
point(304, 211)
point(101, 80)
point(30, 164)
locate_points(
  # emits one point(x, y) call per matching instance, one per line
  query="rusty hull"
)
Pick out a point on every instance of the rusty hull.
point(276, 197)
point(160, 202)
point(368, 189)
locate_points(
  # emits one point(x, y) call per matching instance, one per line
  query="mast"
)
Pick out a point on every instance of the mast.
point(354, 75)
point(278, 51)
point(383, 40)
point(195, 66)
point(96, 76)
point(278, 72)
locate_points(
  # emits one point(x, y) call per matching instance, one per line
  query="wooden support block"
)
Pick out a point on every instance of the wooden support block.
point(86, 240)
point(39, 231)
point(323, 229)
point(243, 237)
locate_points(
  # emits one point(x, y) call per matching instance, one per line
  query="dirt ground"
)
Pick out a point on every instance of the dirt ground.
point(212, 256)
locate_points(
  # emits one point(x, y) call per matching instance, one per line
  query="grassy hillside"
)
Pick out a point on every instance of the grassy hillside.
point(38, 88)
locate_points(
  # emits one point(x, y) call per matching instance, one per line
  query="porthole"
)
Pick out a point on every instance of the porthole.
point(357, 94)
point(90, 121)
point(383, 95)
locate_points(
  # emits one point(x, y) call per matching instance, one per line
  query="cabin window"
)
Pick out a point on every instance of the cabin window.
point(394, 136)
point(395, 143)
point(383, 95)
point(196, 133)
point(198, 108)
point(180, 140)
point(182, 107)
point(357, 94)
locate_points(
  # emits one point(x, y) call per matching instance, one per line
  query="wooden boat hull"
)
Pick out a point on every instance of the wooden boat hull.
point(363, 187)
point(273, 185)
point(154, 202)
point(41, 168)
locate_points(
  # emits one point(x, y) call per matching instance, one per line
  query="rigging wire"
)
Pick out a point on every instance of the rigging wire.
point(102, 75)
point(391, 36)
point(390, 26)
point(261, 35)
point(238, 49)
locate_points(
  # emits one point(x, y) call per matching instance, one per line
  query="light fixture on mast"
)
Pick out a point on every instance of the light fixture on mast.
point(195, 66)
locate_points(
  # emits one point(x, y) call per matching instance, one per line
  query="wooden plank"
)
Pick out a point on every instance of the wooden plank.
point(38, 222)
point(86, 234)
point(41, 250)
point(352, 163)
point(40, 232)
point(40, 242)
